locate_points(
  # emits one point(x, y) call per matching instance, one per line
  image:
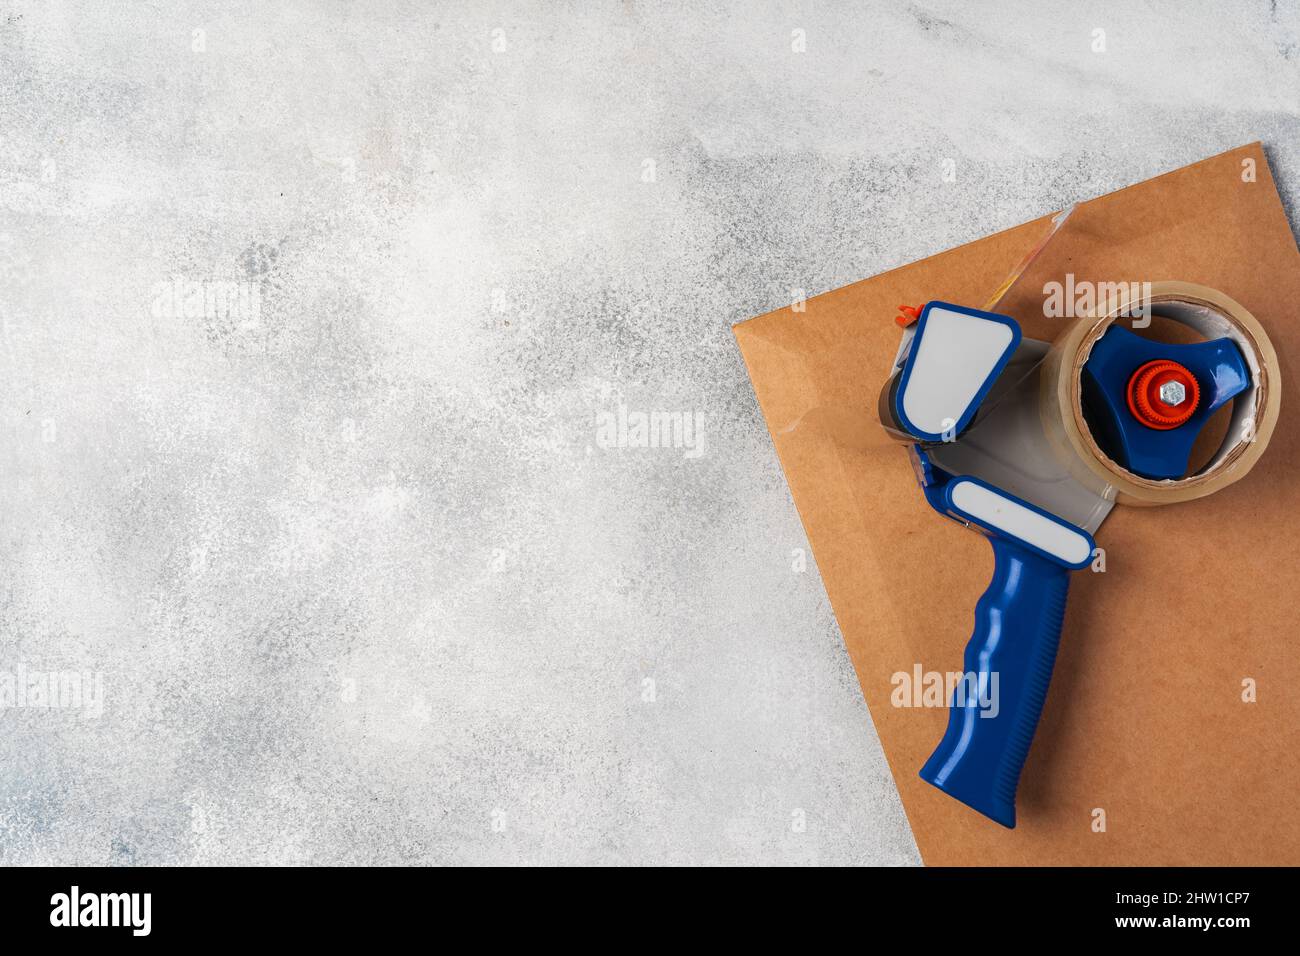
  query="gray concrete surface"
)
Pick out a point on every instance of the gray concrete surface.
point(340, 544)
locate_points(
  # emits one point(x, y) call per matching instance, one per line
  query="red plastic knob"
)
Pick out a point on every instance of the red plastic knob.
point(1156, 406)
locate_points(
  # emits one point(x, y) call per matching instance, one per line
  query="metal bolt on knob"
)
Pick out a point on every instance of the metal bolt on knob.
point(1173, 393)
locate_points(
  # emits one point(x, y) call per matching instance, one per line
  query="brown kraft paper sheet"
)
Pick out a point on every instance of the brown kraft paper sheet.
point(1145, 718)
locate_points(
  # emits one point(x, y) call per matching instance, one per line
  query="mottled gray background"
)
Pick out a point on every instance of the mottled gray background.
point(361, 583)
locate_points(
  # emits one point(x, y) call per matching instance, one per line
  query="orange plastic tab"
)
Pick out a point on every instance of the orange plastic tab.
point(908, 314)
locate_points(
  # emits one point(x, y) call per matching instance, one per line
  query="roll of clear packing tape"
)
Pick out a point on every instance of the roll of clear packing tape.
point(1207, 312)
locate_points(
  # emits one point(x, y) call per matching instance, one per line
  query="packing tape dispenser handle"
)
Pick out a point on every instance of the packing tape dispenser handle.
point(995, 707)
point(1009, 660)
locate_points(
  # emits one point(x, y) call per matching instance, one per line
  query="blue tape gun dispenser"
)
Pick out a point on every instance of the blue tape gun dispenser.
point(1031, 444)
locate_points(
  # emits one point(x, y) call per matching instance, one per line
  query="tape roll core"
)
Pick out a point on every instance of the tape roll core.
point(1209, 312)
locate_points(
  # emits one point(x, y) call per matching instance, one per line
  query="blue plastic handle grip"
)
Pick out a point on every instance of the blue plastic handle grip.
point(1010, 655)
